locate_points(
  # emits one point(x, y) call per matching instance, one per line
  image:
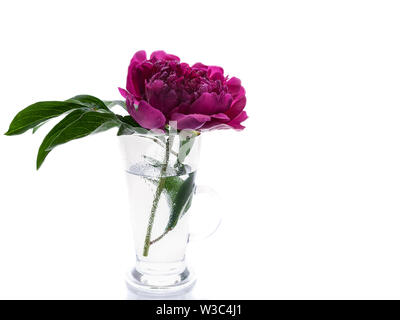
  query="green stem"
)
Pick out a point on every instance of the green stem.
point(160, 187)
point(160, 237)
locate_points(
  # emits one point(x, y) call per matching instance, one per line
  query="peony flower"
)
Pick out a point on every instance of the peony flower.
point(162, 90)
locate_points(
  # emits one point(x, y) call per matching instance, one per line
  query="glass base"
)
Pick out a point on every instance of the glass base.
point(151, 282)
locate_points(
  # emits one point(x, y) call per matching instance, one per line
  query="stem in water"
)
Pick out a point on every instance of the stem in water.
point(160, 187)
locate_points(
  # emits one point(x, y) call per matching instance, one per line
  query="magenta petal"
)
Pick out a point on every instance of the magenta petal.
point(241, 92)
point(236, 122)
point(135, 80)
point(236, 107)
point(210, 103)
point(162, 55)
point(162, 97)
point(189, 121)
point(215, 73)
point(215, 125)
point(123, 92)
point(220, 117)
point(226, 102)
point(218, 121)
point(139, 56)
point(234, 84)
point(237, 127)
point(129, 79)
point(130, 98)
point(200, 66)
point(147, 116)
point(240, 118)
point(205, 104)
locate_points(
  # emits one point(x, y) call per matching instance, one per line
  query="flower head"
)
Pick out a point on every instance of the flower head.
point(162, 90)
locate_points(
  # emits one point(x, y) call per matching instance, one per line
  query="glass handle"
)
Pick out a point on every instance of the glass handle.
point(206, 213)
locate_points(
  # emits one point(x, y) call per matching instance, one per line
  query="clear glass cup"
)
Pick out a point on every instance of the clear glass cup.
point(161, 171)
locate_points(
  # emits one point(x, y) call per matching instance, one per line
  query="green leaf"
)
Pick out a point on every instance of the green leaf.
point(187, 206)
point(186, 141)
point(113, 103)
point(178, 193)
point(171, 187)
point(181, 201)
point(175, 199)
point(34, 129)
point(37, 113)
point(79, 123)
point(129, 126)
point(90, 102)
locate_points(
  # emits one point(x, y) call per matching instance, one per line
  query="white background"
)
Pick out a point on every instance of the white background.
point(311, 185)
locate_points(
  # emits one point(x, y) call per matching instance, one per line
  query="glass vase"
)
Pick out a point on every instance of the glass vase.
point(161, 173)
